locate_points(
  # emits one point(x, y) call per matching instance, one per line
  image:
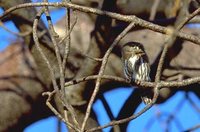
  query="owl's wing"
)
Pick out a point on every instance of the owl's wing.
point(128, 69)
point(131, 68)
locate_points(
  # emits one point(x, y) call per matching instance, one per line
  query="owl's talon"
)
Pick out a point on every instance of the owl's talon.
point(137, 82)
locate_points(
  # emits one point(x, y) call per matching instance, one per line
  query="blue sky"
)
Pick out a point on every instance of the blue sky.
point(185, 117)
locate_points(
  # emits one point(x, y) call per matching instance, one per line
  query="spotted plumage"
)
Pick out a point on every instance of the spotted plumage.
point(136, 66)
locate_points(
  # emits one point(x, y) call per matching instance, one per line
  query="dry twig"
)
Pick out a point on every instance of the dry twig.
point(125, 18)
point(133, 20)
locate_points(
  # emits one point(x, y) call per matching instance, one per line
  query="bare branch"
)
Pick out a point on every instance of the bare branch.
point(112, 123)
point(125, 18)
point(154, 9)
point(132, 20)
point(101, 71)
point(50, 94)
point(15, 33)
point(36, 40)
point(188, 18)
point(193, 128)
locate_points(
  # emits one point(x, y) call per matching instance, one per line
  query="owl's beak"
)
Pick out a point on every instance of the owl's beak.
point(141, 53)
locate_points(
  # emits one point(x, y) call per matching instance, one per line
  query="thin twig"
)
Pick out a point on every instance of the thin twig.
point(66, 54)
point(20, 34)
point(157, 84)
point(170, 84)
point(188, 18)
point(156, 88)
point(134, 116)
point(182, 83)
point(50, 94)
point(69, 32)
point(36, 40)
point(61, 67)
point(125, 18)
point(92, 58)
point(72, 112)
point(170, 40)
point(193, 128)
point(57, 51)
point(93, 77)
point(101, 71)
point(154, 9)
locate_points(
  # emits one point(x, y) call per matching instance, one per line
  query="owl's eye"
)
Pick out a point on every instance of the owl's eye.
point(136, 48)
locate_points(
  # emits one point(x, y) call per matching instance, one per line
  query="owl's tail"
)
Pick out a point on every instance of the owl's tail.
point(147, 97)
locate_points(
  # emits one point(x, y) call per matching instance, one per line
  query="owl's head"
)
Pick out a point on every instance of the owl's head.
point(132, 48)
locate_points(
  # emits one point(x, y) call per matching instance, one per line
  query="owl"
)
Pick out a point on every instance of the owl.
point(136, 66)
